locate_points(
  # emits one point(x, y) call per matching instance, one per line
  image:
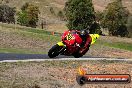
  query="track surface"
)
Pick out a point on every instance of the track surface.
point(9, 57)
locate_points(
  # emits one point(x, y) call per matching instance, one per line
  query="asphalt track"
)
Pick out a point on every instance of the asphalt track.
point(10, 57)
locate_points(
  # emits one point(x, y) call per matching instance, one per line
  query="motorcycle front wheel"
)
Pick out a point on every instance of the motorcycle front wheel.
point(54, 51)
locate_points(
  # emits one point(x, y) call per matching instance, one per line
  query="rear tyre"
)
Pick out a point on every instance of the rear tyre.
point(77, 55)
point(54, 51)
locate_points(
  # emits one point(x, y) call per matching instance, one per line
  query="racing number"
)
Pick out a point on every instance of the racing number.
point(69, 36)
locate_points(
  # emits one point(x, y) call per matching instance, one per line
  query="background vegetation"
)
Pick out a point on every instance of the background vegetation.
point(115, 19)
point(16, 38)
point(7, 14)
point(28, 15)
point(79, 13)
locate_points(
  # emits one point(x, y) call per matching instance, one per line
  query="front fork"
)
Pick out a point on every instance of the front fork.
point(63, 47)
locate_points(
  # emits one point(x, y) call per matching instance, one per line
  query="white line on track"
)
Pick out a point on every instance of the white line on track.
point(66, 59)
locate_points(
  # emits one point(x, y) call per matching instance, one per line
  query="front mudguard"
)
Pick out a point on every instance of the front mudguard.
point(61, 44)
point(63, 47)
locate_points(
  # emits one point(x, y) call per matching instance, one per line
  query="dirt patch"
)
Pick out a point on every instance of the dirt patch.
point(10, 38)
point(105, 51)
point(108, 52)
point(57, 27)
point(59, 74)
point(100, 5)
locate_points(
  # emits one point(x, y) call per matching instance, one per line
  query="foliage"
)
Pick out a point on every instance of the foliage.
point(122, 31)
point(52, 10)
point(115, 17)
point(22, 19)
point(129, 25)
point(79, 13)
point(32, 12)
point(25, 6)
point(95, 28)
point(99, 16)
point(7, 14)
point(61, 15)
point(7, 1)
point(29, 15)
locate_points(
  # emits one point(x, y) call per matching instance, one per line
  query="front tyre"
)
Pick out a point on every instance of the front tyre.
point(54, 51)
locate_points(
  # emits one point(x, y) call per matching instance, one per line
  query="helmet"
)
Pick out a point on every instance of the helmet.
point(83, 33)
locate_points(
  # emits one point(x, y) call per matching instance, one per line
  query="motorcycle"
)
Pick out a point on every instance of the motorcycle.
point(69, 46)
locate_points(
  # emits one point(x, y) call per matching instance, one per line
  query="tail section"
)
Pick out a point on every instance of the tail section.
point(94, 37)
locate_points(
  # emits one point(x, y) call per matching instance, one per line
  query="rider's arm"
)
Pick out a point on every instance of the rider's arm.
point(86, 46)
point(88, 41)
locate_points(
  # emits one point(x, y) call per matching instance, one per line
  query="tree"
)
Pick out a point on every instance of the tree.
point(99, 16)
point(25, 6)
point(7, 14)
point(129, 25)
point(29, 15)
point(52, 10)
point(95, 28)
point(22, 18)
point(32, 12)
point(115, 16)
point(61, 15)
point(122, 31)
point(79, 14)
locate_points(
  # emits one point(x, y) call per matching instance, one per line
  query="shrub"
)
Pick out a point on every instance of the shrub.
point(7, 14)
point(29, 15)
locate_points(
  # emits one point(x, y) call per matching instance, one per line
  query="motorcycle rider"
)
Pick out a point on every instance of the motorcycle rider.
point(86, 41)
point(87, 38)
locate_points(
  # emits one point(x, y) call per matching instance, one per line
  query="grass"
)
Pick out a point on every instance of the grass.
point(120, 45)
point(46, 36)
point(37, 74)
point(20, 51)
point(27, 34)
point(28, 29)
point(36, 34)
point(32, 32)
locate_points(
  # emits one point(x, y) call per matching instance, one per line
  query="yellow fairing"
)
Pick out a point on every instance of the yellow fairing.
point(60, 44)
point(94, 37)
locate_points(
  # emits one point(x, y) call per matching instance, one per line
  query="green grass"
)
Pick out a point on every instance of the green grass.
point(120, 45)
point(32, 32)
point(29, 33)
point(36, 35)
point(47, 37)
point(20, 51)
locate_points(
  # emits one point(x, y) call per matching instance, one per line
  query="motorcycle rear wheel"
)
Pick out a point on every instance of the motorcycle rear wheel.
point(54, 51)
point(77, 55)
